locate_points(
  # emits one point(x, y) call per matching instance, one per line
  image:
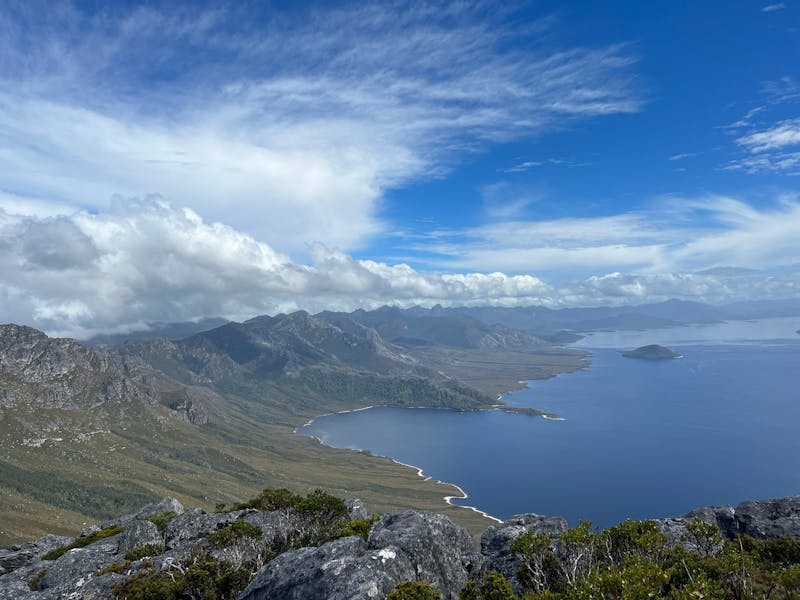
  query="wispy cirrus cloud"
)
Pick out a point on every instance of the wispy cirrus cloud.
point(287, 126)
point(773, 7)
point(768, 146)
point(532, 164)
point(678, 235)
point(786, 133)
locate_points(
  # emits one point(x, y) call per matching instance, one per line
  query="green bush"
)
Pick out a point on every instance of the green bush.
point(202, 577)
point(322, 506)
point(492, 587)
point(83, 541)
point(226, 536)
point(271, 499)
point(359, 527)
point(633, 560)
point(414, 590)
point(143, 551)
point(539, 569)
point(162, 519)
point(115, 567)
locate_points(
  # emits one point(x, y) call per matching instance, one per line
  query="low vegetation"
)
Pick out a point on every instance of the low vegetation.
point(82, 541)
point(414, 590)
point(202, 576)
point(144, 551)
point(632, 560)
point(33, 584)
point(238, 549)
point(161, 520)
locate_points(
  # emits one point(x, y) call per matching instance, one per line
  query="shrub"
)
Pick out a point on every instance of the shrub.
point(414, 590)
point(271, 499)
point(226, 536)
point(115, 567)
point(83, 541)
point(143, 551)
point(321, 505)
point(492, 587)
point(201, 577)
point(162, 519)
point(33, 584)
point(704, 537)
point(359, 527)
point(780, 551)
point(632, 538)
point(539, 568)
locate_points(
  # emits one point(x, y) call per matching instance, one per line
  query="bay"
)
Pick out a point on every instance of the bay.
point(639, 439)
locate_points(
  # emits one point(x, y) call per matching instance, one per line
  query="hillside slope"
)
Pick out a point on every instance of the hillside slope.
point(88, 434)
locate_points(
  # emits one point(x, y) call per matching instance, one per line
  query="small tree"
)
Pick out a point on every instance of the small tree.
point(534, 551)
point(576, 550)
point(703, 537)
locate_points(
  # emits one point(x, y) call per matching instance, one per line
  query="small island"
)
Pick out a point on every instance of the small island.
point(652, 352)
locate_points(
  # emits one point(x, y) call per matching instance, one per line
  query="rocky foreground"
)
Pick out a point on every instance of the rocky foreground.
point(164, 541)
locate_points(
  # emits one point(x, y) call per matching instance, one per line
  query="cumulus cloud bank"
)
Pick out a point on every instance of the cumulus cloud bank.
point(145, 261)
point(148, 261)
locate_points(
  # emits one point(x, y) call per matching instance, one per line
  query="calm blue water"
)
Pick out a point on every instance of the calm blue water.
point(640, 439)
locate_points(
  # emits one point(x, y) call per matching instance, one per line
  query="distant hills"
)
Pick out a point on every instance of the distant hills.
point(500, 327)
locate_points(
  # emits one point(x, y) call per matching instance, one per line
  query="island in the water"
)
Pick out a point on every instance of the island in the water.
point(651, 352)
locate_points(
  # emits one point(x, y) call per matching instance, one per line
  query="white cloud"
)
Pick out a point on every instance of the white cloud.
point(785, 133)
point(779, 162)
point(290, 131)
point(530, 164)
point(683, 155)
point(145, 261)
point(773, 7)
point(676, 236)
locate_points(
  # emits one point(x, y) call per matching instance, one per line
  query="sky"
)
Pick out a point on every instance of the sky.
point(167, 161)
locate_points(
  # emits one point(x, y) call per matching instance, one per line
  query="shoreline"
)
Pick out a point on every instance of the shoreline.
point(448, 499)
point(420, 472)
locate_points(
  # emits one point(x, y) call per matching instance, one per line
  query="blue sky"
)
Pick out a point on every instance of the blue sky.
point(168, 161)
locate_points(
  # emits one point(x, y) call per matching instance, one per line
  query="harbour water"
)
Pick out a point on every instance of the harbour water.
point(639, 438)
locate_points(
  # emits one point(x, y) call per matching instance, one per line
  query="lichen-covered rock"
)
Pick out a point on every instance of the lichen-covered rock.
point(355, 509)
point(148, 510)
point(408, 546)
point(138, 533)
point(14, 557)
point(76, 567)
point(756, 518)
point(193, 524)
point(769, 518)
point(442, 552)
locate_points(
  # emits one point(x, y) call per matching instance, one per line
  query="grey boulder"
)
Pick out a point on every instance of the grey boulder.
point(411, 546)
